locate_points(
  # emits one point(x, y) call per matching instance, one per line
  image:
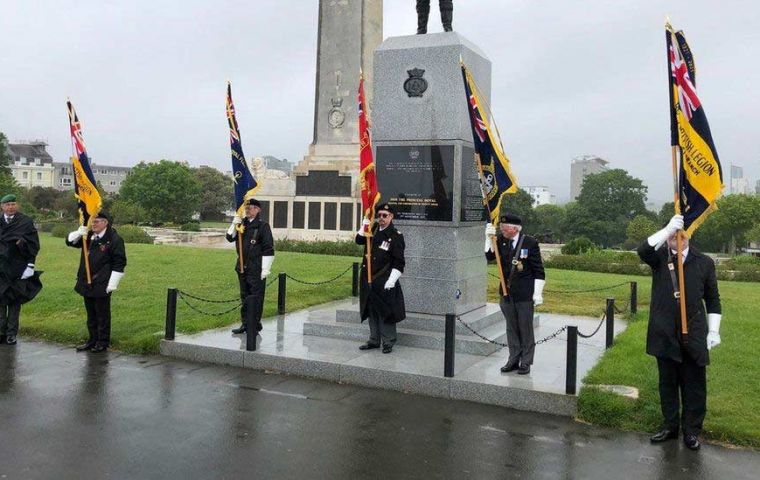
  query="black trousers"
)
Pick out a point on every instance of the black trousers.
point(520, 338)
point(9, 319)
point(252, 289)
point(98, 320)
point(688, 379)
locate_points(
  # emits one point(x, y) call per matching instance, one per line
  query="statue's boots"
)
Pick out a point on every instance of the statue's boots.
point(423, 12)
point(447, 13)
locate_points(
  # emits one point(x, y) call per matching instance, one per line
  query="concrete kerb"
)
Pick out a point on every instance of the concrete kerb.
point(428, 385)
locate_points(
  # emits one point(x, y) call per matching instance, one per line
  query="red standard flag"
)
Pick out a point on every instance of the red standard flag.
point(367, 175)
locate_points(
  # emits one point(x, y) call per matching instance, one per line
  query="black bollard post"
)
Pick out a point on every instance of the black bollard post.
point(610, 322)
point(281, 279)
point(355, 280)
point(634, 297)
point(572, 359)
point(448, 345)
point(251, 330)
point(171, 313)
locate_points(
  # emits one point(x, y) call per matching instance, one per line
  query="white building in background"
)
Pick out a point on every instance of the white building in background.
point(31, 164)
point(739, 184)
point(582, 166)
point(541, 195)
point(757, 187)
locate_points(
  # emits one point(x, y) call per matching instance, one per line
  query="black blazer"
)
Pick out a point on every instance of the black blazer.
point(106, 255)
point(701, 291)
point(522, 286)
point(387, 253)
point(257, 243)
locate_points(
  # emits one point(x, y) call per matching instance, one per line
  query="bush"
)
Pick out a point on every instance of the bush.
point(577, 246)
point(348, 248)
point(133, 234)
point(191, 227)
point(61, 230)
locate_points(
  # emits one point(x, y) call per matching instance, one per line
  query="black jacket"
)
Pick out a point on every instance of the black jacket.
point(257, 243)
point(387, 253)
point(529, 257)
point(19, 246)
point(106, 255)
point(701, 289)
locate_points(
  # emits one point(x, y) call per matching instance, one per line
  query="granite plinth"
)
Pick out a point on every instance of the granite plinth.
point(284, 348)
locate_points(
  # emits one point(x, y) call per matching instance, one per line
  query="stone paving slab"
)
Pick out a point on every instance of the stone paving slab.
point(284, 348)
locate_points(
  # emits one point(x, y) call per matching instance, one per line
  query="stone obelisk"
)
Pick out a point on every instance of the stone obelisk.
point(348, 33)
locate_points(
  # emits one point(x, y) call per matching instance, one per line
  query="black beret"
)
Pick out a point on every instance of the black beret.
point(385, 206)
point(253, 202)
point(511, 219)
point(103, 215)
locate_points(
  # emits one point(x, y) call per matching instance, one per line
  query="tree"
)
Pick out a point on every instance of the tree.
point(216, 192)
point(5, 156)
point(550, 222)
point(727, 227)
point(666, 213)
point(753, 235)
point(124, 211)
point(608, 201)
point(638, 230)
point(520, 203)
point(168, 191)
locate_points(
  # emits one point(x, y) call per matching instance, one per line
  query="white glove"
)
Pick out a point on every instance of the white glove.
point(392, 279)
point(675, 224)
point(713, 335)
point(365, 223)
point(266, 266)
point(490, 233)
point(28, 272)
point(77, 234)
point(538, 291)
point(113, 281)
point(236, 220)
point(232, 231)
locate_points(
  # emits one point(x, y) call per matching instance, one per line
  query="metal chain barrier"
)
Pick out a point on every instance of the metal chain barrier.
point(601, 322)
point(201, 299)
point(539, 342)
point(274, 279)
point(322, 282)
point(182, 295)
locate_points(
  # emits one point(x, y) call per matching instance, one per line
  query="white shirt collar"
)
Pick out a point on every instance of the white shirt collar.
point(685, 253)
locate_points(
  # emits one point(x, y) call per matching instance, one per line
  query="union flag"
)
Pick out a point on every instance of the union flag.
point(245, 184)
point(85, 187)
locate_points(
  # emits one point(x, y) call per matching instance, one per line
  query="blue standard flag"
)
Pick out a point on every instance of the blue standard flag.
point(496, 178)
point(245, 184)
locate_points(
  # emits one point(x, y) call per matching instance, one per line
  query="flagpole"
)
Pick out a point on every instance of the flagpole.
point(679, 248)
point(86, 253)
point(240, 248)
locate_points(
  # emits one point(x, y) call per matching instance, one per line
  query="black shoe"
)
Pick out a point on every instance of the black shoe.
point(10, 339)
point(387, 348)
point(239, 330)
point(2, 339)
point(510, 366)
point(523, 370)
point(691, 442)
point(85, 346)
point(664, 435)
point(368, 346)
point(98, 349)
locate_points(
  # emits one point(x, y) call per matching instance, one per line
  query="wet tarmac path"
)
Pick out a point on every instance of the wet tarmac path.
point(68, 415)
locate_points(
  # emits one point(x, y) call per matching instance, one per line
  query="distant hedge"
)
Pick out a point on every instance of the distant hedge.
point(347, 248)
point(743, 268)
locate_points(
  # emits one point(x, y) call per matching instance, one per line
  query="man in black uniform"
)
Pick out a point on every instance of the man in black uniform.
point(681, 365)
point(19, 283)
point(108, 258)
point(524, 276)
point(423, 12)
point(258, 256)
point(382, 301)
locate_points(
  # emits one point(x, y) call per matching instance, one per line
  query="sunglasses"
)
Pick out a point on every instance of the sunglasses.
point(383, 215)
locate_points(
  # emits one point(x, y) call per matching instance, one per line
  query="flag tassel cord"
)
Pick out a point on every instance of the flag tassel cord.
point(679, 248)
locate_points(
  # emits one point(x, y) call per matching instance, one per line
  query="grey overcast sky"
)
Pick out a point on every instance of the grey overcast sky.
point(569, 77)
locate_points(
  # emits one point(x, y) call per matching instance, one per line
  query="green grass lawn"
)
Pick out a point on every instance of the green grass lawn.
point(139, 306)
point(57, 314)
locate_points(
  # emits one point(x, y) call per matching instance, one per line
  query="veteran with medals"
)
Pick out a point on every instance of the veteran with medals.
point(108, 258)
point(524, 277)
point(257, 252)
point(382, 300)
